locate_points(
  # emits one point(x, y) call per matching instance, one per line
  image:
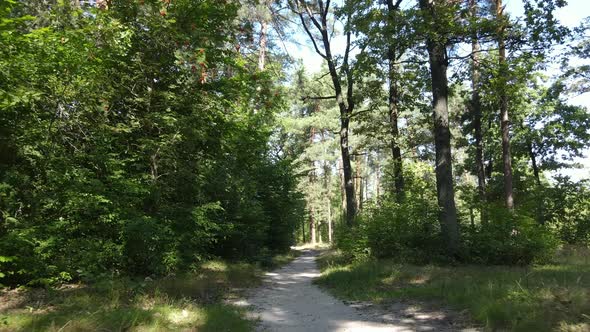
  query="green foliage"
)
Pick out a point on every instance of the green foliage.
point(138, 142)
point(408, 231)
point(567, 209)
point(509, 238)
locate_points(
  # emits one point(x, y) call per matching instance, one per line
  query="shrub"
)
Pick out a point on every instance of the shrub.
point(408, 231)
point(353, 242)
point(509, 238)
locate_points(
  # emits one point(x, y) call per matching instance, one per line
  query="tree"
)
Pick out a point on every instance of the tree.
point(476, 109)
point(392, 58)
point(437, 14)
point(316, 16)
point(504, 116)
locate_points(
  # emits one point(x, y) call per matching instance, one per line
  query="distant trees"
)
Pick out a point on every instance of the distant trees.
point(314, 20)
point(395, 42)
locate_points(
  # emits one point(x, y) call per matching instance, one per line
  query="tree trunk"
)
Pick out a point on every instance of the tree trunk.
point(344, 150)
point(303, 230)
point(262, 44)
point(534, 162)
point(358, 183)
point(504, 117)
point(393, 113)
point(327, 176)
point(312, 230)
point(345, 103)
point(442, 137)
point(476, 115)
point(536, 172)
point(342, 190)
point(377, 180)
point(345, 110)
point(330, 222)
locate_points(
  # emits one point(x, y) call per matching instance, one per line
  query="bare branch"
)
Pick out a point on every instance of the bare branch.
point(305, 98)
point(311, 16)
point(315, 45)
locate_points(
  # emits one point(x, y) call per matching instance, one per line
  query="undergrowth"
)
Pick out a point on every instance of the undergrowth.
point(192, 301)
point(537, 298)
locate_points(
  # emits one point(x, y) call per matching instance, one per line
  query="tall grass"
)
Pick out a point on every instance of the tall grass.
point(538, 298)
point(189, 302)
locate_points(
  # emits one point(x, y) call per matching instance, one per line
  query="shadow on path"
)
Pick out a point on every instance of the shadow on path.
point(289, 301)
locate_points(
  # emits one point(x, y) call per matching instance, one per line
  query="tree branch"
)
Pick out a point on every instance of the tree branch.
point(306, 28)
point(305, 98)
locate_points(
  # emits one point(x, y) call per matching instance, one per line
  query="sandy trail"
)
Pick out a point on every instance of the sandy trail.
point(289, 301)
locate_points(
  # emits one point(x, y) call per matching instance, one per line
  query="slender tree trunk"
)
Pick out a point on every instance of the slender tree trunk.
point(312, 178)
point(536, 172)
point(345, 152)
point(327, 176)
point(330, 223)
point(345, 111)
point(342, 190)
point(442, 138)
point(303, 230)
point(358, 183)
point(476, 115)
point(345, 102)
point(366, 182)
point(504, 117)
point(312, 230)
point(377, 180)
point(262, 44)
point(393, 112)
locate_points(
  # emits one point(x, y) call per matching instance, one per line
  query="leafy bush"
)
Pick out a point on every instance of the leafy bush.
point(567, 209)
point(408, 231)
point(18, 261)
point(352, 241)
point(509, 238)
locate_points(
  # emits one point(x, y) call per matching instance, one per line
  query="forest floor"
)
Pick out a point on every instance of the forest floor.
point(288, 300)
point(551, 297)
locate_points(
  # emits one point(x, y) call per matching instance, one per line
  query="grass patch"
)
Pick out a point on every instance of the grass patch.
point(538, 298)
point(188, 302)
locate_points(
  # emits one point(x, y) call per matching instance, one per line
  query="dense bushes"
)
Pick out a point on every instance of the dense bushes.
point(138, 143)
point(406, 231)
point(409, 232)
point(509, 238)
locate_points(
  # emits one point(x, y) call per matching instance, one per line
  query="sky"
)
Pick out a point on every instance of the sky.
point(571, 16)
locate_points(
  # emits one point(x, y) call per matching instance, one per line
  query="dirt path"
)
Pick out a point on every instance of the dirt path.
point(289, 301)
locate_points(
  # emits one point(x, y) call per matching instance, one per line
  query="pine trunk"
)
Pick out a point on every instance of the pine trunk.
point(504, 116)
point(476, 115)
point(536, 173)
point(262, 44)
point(345, 110)
point(394, 114)
point(312, 230)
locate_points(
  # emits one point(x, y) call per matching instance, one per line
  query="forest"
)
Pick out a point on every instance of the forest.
point(159, 154)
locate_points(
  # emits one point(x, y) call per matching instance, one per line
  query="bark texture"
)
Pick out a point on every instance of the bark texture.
point(393, 103)
point(477, 114)
point(504, 116)
point(442, 136)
